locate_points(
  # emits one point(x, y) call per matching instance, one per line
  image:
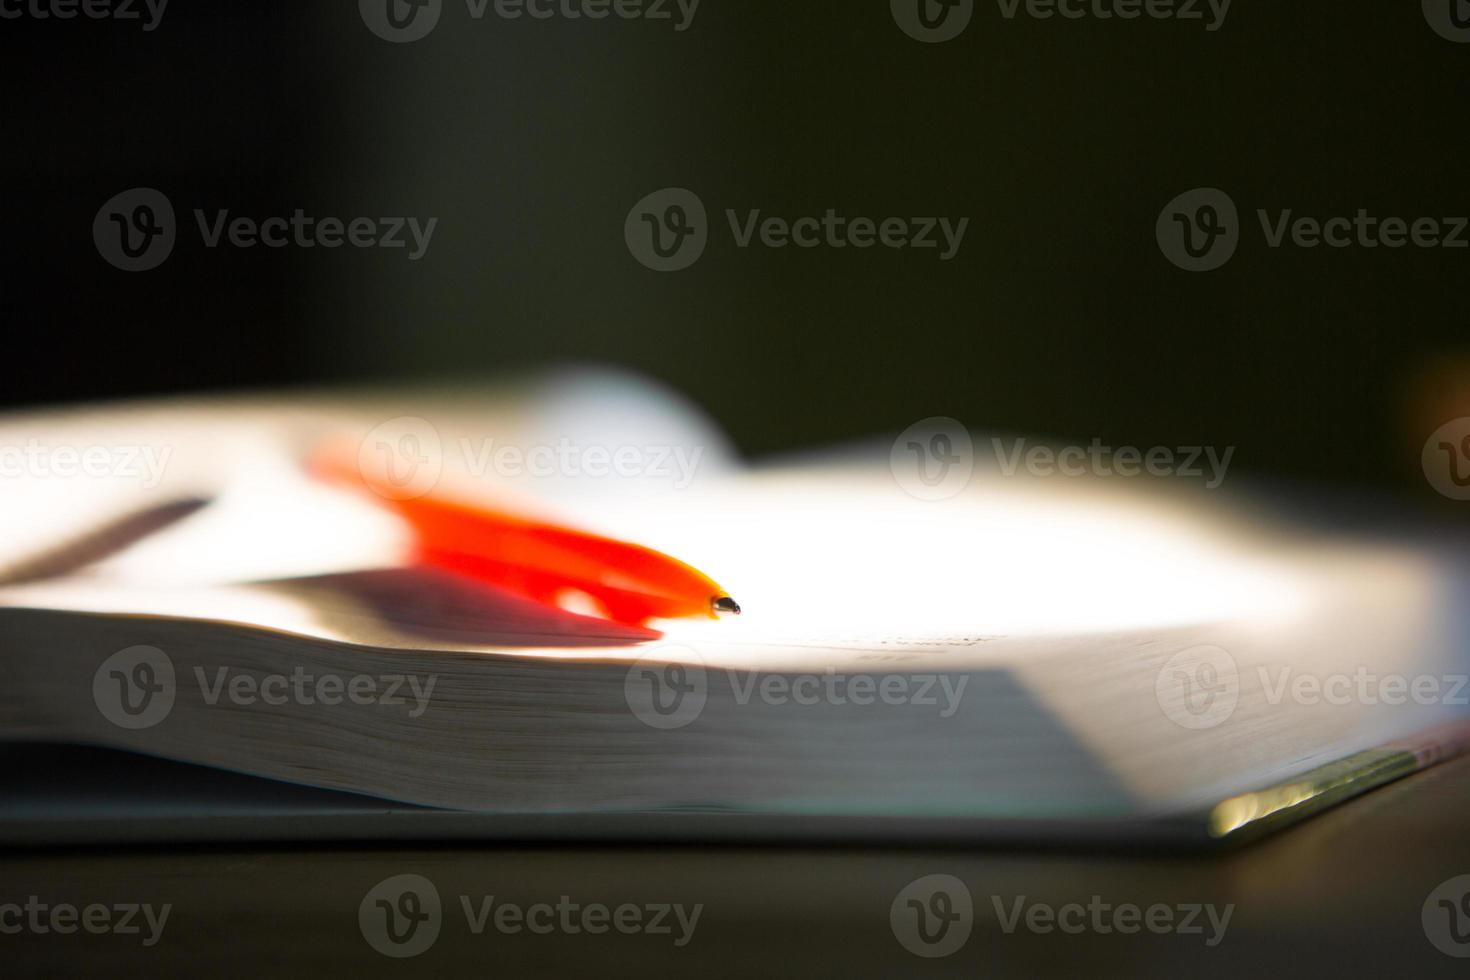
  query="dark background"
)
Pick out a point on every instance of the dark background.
point(1060, 140)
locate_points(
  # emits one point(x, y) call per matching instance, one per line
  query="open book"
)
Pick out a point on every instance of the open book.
point(1030, 657)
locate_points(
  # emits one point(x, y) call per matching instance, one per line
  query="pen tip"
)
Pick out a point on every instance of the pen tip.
point(724, 604)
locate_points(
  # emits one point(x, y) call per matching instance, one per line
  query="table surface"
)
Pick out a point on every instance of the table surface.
point(1341, 895)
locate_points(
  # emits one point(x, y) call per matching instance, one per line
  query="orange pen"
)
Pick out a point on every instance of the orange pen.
point(542, 561)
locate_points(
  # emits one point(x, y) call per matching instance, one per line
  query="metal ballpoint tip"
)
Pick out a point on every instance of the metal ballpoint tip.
point(724, 604)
